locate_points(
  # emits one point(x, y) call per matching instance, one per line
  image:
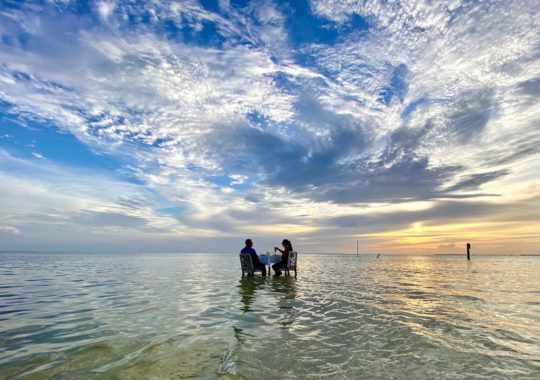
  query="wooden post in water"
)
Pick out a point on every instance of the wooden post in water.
point(468, 251)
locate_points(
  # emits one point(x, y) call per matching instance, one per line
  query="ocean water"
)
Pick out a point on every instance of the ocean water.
point(178, 316)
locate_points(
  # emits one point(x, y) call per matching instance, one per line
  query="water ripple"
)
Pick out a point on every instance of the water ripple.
point(176, 316)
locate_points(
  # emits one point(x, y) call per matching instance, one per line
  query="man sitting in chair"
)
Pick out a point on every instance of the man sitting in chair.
point(256, 262)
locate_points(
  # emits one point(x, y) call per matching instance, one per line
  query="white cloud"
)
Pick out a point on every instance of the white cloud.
point(38, 155)
point(238, 179)
point(36, 192)
point(105, 9)
point(450, 53)
point(10, 230)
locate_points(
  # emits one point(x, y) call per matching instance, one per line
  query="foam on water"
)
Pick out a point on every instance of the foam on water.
point(187, 315)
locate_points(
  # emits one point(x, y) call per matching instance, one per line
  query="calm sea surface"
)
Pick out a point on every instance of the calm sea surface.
point(193, 315)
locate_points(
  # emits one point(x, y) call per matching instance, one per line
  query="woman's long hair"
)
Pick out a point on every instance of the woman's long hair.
point(287, 244)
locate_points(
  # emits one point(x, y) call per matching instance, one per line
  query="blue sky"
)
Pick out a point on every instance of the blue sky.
point(164, 126)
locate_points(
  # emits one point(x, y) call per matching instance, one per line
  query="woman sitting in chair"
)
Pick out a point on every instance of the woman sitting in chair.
point(282, 265)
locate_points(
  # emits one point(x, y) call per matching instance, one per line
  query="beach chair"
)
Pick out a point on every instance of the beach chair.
point(291, 263)
point(246, 263)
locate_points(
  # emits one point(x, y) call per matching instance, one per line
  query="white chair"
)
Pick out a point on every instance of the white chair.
point(246, 263)
point(291, 262)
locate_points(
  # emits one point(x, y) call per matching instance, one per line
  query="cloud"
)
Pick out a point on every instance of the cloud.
point(449, 249)
point(530, 87)
point(106, 219)
point(220, 107)
point(185, 94)
point(40, 192)
point(105, 9)
point(471, 114)
point(435, 213)
point(10, 230)
point(473, 182)
point(38, 155)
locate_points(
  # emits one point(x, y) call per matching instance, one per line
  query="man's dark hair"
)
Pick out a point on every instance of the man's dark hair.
point(248, 241)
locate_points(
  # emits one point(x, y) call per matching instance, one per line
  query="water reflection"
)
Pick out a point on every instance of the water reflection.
point(285, 285)
point(285, 288)
point(277, 296)
point(247, 286)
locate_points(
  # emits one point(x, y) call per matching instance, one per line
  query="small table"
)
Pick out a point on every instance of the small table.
point(269, 260)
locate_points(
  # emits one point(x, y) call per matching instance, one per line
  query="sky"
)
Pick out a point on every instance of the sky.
point(181, 126)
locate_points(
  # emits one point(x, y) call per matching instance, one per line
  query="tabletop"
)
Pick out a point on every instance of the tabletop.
point(268, 260)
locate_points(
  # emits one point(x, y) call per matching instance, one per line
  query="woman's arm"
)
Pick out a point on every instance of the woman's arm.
point(277, 249)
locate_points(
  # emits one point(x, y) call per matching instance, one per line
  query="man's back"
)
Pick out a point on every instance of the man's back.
point(253, 254)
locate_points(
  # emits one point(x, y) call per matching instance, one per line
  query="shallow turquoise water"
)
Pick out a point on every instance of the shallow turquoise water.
point(193, 315)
